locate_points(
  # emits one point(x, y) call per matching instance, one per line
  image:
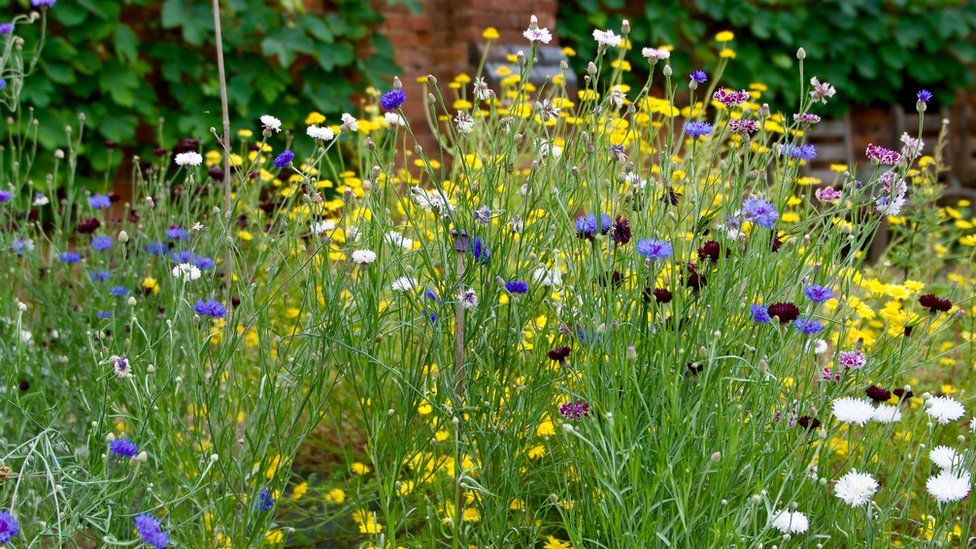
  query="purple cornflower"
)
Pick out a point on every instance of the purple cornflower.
point(43, 3)
point(801, 152)
point(760, 314)
point(808, 326)
point(881, 155)
point(9, 527)
point(151, 531)
point(99, 201)
point(101, 243)
point(924, 96)
point(699, 76)
point(6, 28)
point(203, 263)
point(760, 211)
point(156, 248)
point(483, 215)
point(265, 500)
point(211, 307)
point(100, 276)
point(853, 360)
point(123, 447)
point(516, 287)
point(654, 249)
point(479, 250)
point(575, 410)
point(284, 159)
point(175, 232)
point(5, 196)
point(118, 291)
point(695, 128)
point(818, 294)
point(731, 98)
point(391, 100)
point(70, 257)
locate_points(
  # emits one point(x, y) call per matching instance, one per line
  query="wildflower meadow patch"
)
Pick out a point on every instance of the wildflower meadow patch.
point(600, 317)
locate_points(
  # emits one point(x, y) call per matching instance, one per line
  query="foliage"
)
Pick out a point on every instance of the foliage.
point(876, 50)
point(127, 63)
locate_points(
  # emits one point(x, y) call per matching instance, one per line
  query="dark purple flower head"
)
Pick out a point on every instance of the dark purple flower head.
point(88, 226)
point(621, 230)
point(151, 531)
point(934, 303)
point(9, 527)
point(391, 100)
point(101, 243)
point(695, 128)
point(760, 314)
point(123, 447)
point(210, 308)
point(808, 326)
point(99, 201)
point(809, 423)
point(878, 394)
point(924, 96)
point(654, 249)
point(516, 287)
point(785, 312)
point(559, 354)
point(662, 295)
point(818, 294)
point(284, 159)
point(575, 410)
point(699, 76)
point(711, 251)
point(903, 395)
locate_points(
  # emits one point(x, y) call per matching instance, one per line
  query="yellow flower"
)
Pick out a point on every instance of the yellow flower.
point(299, 491)
point(314, 117)
point(245, 134)
point(274, 536)
point(367, 521)
point(727, 53)
point(724, 36)
point(359, 468)
point(150, 285)
point(491, 33)
point(245, 236)
point(335, 496)
point(553, 543)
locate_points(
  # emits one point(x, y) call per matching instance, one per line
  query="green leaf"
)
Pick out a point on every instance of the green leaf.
point(126, 43)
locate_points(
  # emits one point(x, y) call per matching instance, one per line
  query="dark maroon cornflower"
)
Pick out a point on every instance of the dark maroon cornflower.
point(88, 226)
point(777, 243)
point(695, 280)
point(109, 144)
point(24, 385)
point(235, 301)
point(575, 410)
point(159, 151)
point(785, 312)
point(903, 395)
point(670, 196)
point(621, 230)
point(710, 250)
point(559, 354)
point(695, 368)
point(878, 394)
point(908, 331)
point(615, 279)
point(186, 145)
point(216, 173)
point(809, 423)
point(934, 303)
point(662, 295)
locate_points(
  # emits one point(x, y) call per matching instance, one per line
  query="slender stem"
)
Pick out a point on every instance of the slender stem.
point(225, 141)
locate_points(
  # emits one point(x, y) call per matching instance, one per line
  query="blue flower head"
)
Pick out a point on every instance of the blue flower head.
point(760, 314)
point(802, 152)
point(9, 527)
point(699, 76)
point(697, 129)
point(118, 291)
point(924, 96)
point(203, 263)
point(480, 250)
point(100, 276)
point(210, 308)
point(265, 500)
point(6, 28)
point(175, 232)
point(654, 249)
point(516, 287)
point(818, 294)
point(183, 256)
point(391, 100)
point(70, 257)
point(99, 201)
point(760, 211)
point(123, 447)
point(101, 243)
point(43, 3)
point(5, 196)
point(156, 248)
point(151, 531)
point(807, 326)
point(284, 159)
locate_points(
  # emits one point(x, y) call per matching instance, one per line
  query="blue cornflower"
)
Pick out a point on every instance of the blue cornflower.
point(203, 263)
point(924, 96)
point(699, 76)
point(695, 128)
point(5, 196)
point(479, 250)
point(265, 500)
point(175, 232)
point(654, 249)
point(101, 243)
point(211, 307)
point(9, 527)
point(802, 152)
point(431, 294)
point(151, 531)
point(100, 276)
point(392, 99)
point(22, 245)
point(760, 313)
point(102, 315)
point(6, 28)
point(760, 211)
point(156, 248)
point(183, 256)
point(70, 257)
point(284, 159)
point(3, 83)
point(118, 291)
point(586, 225)
point(818, 294)
point(807, 326)
point(516, 287)
point(43, 3)
point(123, 447)
point(99, 201)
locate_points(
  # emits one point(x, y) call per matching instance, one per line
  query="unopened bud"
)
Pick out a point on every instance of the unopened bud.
point(801, 54)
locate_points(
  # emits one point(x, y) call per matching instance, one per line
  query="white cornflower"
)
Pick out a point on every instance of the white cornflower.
point(607, 38)
point(121, 366)
point(655, 54)
point(853, 410)
point(790, 522)
point(397, 239)
point(972, 425)
point(468, 299)
point(547, 149)
point(394, 119)
point(363, 257)
point(349, 123)
point(538, 34)
point(947, 486)
point(481, 90)
point(856, 489)
point(885, 413)
point(191, 158)
point(944, 457)
point(40, 200)
point(434, 201)
point(463, 122)
point(322, 133)
point(322, 227)
point(819, 347)
point(404, 284)
point(552, 278)
point(944, 409)
point(186, 271)
point(270, 123)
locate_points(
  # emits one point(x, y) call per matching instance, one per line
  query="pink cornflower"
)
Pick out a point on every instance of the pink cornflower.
point(852, 359)
point(743, 126)
point(821, 90)
point(806, 118)
point(827, 194)
point(731, 98)
point(881, 155)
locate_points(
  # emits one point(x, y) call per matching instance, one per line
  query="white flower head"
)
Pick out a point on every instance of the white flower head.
point(397, 239)
point(270, 123)
point(944, 457)
point(856, 489)
point(404, 284)
point(551, 277)
point(40, 200)
point(655, 54)
point(468, 299)
point(121, 367)
point(790, 522)
point(536, 34)
point(393, 119)
point(433, 200)
point(323, 227)
point(363, 257)
point(349, 123)
point(944, 409)
point(322, 133)
point(191, 158)
point(853, 410)
point(947, 486)
point(186, 271)
point(819, 347)
point(464, 122)
point(885, 413)
point(607, 38)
